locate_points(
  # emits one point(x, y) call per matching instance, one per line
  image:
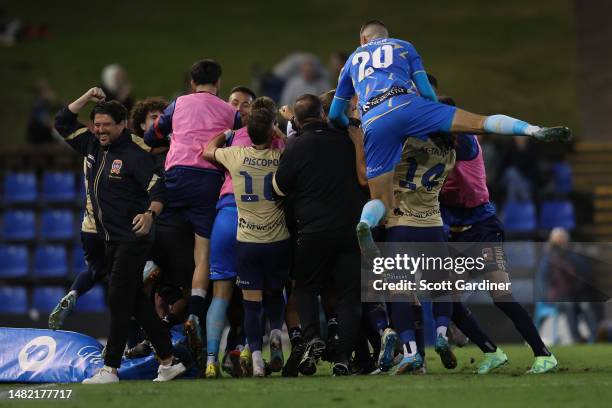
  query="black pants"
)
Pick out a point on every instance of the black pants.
point(329, 258)
point(126, 299)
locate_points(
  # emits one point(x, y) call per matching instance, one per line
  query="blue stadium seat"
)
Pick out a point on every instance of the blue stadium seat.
point(57, 224)
point(19, 225)
point(519, 216)
point(92, 301)
point(13, 261)
point(45, 298)
point(20, 188)
point(562, 176)
point(78, 260)
point(521, 254)
point(50, 261)
point(59, 187)
point(557, 213)
point(13, 300)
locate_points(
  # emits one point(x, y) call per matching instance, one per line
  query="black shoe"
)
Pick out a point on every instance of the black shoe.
point(340, 370)
point(314, 351)
point(290, 369)
point(142, 349)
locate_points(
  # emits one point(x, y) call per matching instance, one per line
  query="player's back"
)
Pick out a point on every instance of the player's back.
point(418, 179)
point(261, 218)
point(382, 64)
point(197, 118)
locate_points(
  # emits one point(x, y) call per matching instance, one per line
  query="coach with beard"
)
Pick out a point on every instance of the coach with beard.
point(127, 193)
point(317, 173)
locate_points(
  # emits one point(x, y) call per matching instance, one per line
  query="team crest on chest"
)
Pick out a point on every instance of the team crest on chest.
point(116, 167)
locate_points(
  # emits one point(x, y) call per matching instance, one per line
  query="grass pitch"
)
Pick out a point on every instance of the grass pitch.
point(584, 379)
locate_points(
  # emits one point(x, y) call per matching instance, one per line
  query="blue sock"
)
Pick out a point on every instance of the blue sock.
point(215, 323)
point(442, 312)
point(274, 304)
point(403, 322)
point(253, 313)
point(377, 316)
point(373, 211)
point(505, 125)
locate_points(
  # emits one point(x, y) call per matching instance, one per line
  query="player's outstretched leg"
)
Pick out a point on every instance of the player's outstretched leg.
point(467, 122)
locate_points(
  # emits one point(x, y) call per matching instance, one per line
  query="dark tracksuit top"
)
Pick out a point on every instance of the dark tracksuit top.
point(122, 178)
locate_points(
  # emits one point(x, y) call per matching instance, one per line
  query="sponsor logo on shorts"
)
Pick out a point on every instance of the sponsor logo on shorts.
point(244, 224)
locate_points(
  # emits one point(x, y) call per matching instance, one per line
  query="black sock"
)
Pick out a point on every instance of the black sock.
point(419, 329)
point(465, 321)
point(332, 328)
point(523, 323)
point(295, 335)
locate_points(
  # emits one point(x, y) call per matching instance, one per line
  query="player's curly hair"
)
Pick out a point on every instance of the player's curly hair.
point(142, 109)
point(261, 119)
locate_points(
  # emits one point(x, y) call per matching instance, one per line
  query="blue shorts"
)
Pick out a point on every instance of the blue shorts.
point(194, 193)
point(487, 236)
point(387, 128)
point(223, 244)
point(415, 234)
point(263, 266)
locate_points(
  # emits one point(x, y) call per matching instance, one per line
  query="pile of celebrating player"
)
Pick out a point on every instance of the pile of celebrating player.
point(200, 216)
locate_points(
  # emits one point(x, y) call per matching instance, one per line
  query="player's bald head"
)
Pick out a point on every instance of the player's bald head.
point(372, 30)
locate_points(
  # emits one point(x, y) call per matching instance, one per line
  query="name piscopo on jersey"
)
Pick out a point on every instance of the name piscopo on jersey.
point(260, 162)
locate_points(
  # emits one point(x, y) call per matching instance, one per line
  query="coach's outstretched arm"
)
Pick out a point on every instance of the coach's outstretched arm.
point(67, 125)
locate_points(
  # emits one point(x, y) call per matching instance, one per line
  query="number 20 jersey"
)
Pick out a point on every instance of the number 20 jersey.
point(261, 218)
point(376, 67)
point(417, 182)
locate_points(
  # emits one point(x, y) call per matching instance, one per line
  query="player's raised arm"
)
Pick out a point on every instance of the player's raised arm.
point(220, 140)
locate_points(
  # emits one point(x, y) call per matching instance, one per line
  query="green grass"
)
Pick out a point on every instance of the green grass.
point(583, 380)
point(493, 56)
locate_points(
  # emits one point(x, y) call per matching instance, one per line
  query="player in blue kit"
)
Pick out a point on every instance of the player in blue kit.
point(396, 100)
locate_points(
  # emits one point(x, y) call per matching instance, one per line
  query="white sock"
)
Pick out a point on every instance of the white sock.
point(530, 130)
point(74, 293)
point(441, 330)
point(211, 359)
point(275, 333)
point(257, 359)
point(198, 292)
point(240, 347)
point(412, 351)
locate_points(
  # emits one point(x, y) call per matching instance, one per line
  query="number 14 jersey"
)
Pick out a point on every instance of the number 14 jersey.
point(261, 218)
point(417, 182)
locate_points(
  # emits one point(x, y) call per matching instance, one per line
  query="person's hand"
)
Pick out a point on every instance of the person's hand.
point(142, 224)
point(95, 95)
point(286, 112)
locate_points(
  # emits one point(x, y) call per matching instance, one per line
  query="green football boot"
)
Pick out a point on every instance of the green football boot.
point(543, 364)
point(61, 311)
point(492, 361)
point(554, 134)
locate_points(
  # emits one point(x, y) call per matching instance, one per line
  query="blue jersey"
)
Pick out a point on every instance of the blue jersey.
point(376, 67)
